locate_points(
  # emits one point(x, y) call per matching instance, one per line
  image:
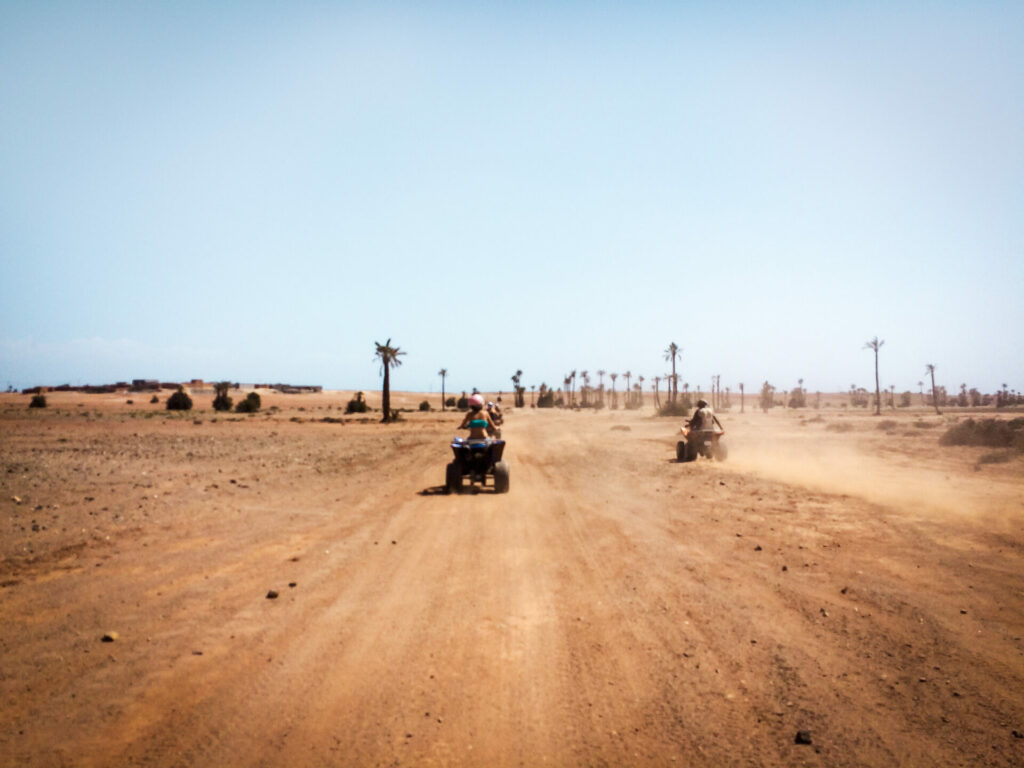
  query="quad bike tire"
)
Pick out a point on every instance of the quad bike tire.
point(681, 451)
point(452, 478)
point(692, 450)
point(501, 472)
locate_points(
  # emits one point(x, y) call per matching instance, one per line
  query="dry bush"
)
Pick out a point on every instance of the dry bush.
point(991, 433)
point(841, 427)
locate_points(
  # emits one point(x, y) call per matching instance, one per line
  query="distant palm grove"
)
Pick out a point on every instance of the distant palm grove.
point(670, 395)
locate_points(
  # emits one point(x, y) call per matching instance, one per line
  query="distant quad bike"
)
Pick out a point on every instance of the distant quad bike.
point(477, 460)
point(702, 442)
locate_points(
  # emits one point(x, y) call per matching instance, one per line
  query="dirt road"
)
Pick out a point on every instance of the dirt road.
point(615, 608)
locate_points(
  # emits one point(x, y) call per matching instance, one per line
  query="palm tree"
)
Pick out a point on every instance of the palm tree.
point(518, 399)
point(627, 376)
point(585, 375)
point(657, 395)
point(388, 359)
point(741, 397)
point(614, 376)
point(572, 394)
point(930, 369)
point(533, 391)
point(671, 353)
point(875, 344)
point(640, 390)
point(442, 373)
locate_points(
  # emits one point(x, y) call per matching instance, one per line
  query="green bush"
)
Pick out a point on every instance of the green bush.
point(38, 401)
point(424, 406)
point(223, 401)
point(251, 404)
point(179, 401)
point(357, 404)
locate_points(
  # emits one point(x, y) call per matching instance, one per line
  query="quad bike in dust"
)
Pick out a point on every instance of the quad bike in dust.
point(701, 442)
point(477, 461)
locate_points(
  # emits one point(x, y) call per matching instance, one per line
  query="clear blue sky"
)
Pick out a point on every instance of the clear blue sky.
point(259, 191)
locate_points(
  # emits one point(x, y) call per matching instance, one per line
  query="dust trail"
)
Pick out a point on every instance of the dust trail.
point(840, 465)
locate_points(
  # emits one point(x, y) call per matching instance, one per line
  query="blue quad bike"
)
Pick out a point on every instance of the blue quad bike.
point(476, 460)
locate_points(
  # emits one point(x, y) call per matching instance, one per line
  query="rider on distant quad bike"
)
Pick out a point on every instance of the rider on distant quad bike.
point(702, 432)
point(494, 410)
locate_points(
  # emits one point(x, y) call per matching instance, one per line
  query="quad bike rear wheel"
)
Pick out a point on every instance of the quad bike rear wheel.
point(681, 451)
point(501, 472)
point(692, 450)
point(452, 478)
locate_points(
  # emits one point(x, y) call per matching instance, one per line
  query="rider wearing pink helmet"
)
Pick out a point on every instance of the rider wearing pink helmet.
point(477, 420)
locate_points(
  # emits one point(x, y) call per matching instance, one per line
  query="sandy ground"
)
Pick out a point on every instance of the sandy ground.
point(615, 608)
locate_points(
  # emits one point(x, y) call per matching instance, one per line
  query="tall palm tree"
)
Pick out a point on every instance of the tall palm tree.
point(930, 369)
point(585, 375)
point(629, 393)
point(640, 391)
point(442, 373)
point(572, 394)
point(741, 397)
point(517, 398)
point(657, 395)
point(672, 352)
point(875, 344)
point(388, 359)
point(600, 385)
point(613, 377)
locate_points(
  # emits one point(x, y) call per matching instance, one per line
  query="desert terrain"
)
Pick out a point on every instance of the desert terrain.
point(859, 586)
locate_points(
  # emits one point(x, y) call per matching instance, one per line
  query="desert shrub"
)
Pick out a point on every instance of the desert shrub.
point(357, 404)
point(251, 404)
point(991, 433)
point(154, 399)
point(462, 403)
point(546, 399)
point(678, 408)
point(450, 402)
point(840, 427)
point(179, 401)
point(424, 406)
point(223, 401)
point(925, 424)
point(37, 401)
point(129, 402)
point(996, 457)
point(887, 425)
